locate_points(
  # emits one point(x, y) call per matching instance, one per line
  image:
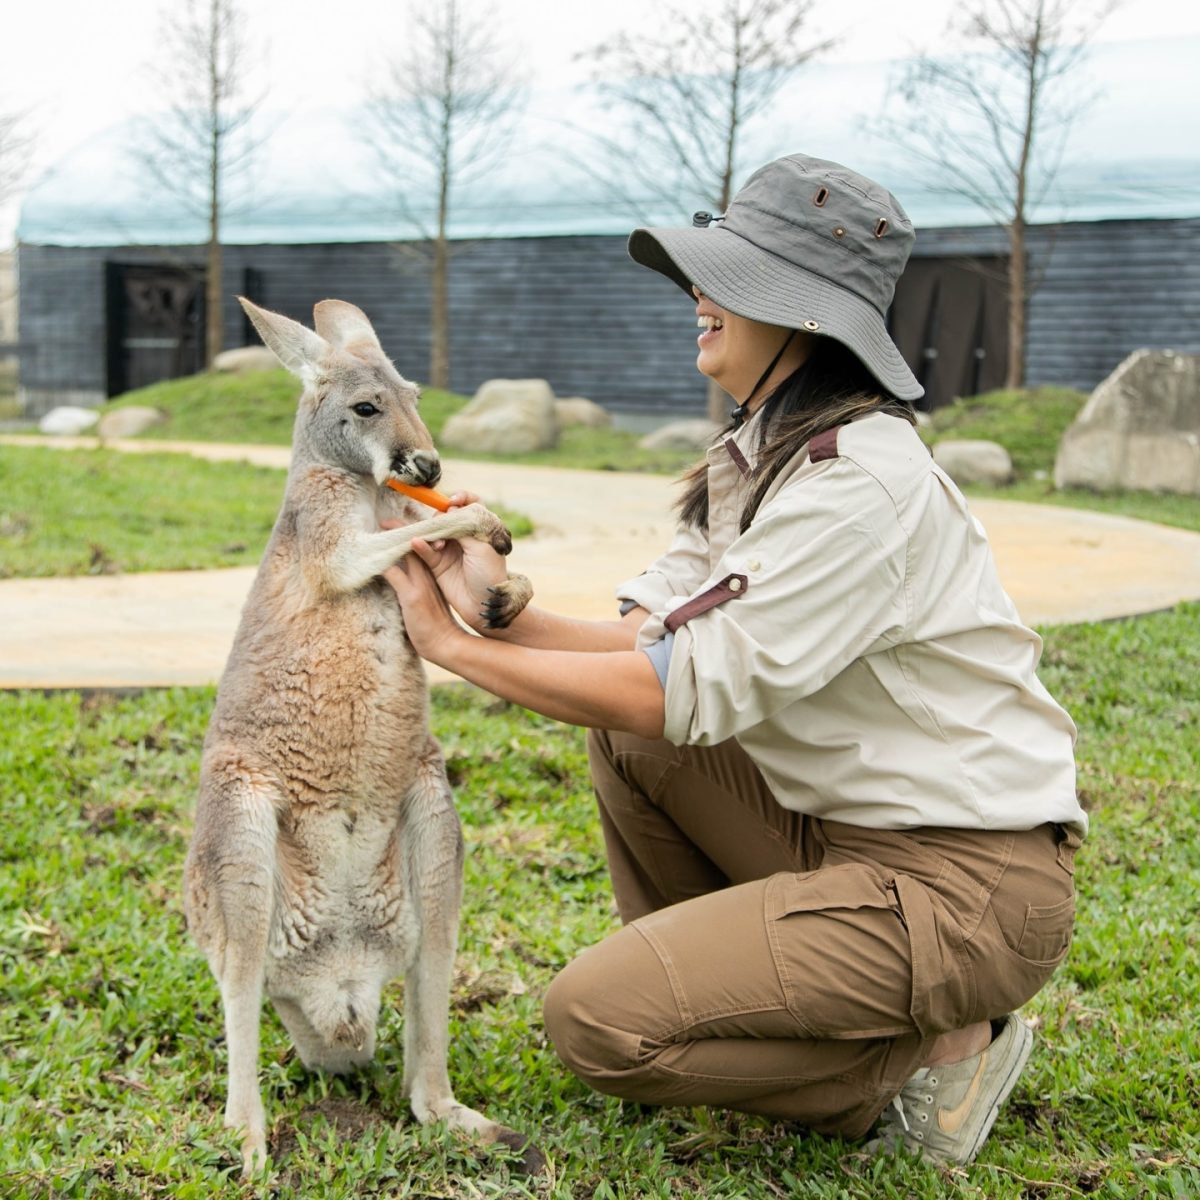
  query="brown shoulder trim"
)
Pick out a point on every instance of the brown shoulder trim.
point(730, 588)
point(739, 459)
point(824, 445)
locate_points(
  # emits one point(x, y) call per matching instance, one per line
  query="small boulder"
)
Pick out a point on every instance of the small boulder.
point(68, 420)
point(575, 410)
point(1140, 429)
point(506, 416)
point(694, 434)
point(129, 422)
point(967, 461)
point(246, 358)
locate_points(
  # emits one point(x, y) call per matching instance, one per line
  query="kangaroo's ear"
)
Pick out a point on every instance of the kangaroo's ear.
point(344, 325)
point(298, 348)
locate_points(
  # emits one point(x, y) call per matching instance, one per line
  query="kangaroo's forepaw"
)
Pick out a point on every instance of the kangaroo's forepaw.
point(505, 601)
point(501, 540)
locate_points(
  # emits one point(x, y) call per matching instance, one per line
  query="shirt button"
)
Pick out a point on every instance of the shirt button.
point(755, 565)
point(735, 585)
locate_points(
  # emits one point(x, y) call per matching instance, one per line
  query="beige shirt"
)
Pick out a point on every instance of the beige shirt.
point(858, 644)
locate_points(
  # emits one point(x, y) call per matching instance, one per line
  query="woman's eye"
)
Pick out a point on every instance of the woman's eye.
point(365, 410)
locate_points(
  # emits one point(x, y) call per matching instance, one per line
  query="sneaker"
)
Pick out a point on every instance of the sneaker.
point(946, 1112)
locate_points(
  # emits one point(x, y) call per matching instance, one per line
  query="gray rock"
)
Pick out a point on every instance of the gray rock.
point(1139, 430)
point(971, 461)
point(692, 434)
point(129, 422)
point(575, 410)
point(68, 421)
point(506, 416)
point(246, 358)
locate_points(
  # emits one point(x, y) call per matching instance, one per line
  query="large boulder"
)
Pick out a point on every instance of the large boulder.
point(1139, 430)
point(506, 416)
point(68, 421)
point(692, 434)
point(571, 411)
point(129, 422)
point(246, 358)
point(974, 461)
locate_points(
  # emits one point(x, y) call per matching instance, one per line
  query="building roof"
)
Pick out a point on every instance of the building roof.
point(315, 180)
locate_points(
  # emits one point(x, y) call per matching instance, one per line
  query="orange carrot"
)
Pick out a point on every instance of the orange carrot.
point(423, 495)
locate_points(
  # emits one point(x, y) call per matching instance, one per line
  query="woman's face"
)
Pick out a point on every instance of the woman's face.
point(735, 350)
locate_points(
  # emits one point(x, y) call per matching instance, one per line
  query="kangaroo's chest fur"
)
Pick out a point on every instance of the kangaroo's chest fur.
point(323, 705)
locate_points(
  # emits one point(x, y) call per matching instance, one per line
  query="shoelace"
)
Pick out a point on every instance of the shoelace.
point(894, 1121)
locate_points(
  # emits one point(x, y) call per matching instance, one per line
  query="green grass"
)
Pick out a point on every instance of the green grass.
point(260, 406)
point(1028, 423)
point(79, 512)
point(112, 1071)
point(89, 512)
point(251, 406)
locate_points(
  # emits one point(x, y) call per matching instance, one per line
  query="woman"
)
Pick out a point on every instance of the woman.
point(838, 804)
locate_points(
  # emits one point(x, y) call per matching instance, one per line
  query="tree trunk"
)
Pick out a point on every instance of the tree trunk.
point(213, 283)
point(1015, 374)
point(439, 331)
point(213, 288)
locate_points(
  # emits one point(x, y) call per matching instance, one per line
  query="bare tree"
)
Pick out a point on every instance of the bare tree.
point(16, 145)
point(200, 143)
point(688, 88)
point(442, 115)
point(991, 118)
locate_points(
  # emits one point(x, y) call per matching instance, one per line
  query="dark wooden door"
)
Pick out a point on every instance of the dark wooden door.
point(950, 320)
point(155, 324)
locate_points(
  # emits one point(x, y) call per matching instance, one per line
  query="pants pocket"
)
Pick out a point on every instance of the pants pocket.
point(841, 951)
point(1045, 934)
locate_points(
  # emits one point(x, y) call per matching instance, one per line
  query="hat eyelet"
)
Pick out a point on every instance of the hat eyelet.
point(821, 196)
point(839, 232)
point(811, 326)
point(881, 227)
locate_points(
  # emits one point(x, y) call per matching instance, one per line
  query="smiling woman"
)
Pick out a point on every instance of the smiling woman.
point(839, 806)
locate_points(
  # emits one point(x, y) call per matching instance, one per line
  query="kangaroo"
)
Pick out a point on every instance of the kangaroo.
point(327, 853)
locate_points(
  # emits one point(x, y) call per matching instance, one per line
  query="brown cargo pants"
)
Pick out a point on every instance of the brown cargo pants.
point(780, 964)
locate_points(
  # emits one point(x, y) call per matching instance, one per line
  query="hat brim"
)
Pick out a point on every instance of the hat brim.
point(751, 282)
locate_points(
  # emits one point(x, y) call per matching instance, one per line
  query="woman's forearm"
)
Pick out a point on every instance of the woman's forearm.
point(541, 629)
point(618, 690)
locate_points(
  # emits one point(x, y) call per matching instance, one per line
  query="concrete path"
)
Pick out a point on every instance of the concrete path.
point(593, 529)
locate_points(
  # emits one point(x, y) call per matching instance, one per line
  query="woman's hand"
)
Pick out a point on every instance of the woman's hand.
point(428, 621)
point(464, 569)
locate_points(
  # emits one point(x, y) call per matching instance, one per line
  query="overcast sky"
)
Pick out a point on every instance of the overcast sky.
point(79, 66)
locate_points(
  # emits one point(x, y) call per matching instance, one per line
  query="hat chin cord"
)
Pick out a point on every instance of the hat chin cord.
point(739, 413)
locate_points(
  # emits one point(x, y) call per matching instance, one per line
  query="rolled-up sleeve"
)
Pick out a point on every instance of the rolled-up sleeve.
point(678, 572)
point(824, 583)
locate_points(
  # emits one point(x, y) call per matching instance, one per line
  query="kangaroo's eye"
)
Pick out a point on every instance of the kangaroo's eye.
point(365, 409)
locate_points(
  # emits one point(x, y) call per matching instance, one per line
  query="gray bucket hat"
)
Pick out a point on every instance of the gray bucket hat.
point(806, 244)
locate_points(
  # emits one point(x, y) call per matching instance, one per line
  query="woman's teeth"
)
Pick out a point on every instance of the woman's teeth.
point(709, 323)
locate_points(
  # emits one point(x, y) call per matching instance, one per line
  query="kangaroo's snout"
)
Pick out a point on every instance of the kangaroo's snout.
point(420, 467)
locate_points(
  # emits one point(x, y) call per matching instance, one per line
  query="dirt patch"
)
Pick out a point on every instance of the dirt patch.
point(347, 1118)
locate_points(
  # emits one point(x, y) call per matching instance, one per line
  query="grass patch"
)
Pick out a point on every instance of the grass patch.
point(112, 1077)
point(1028, 423)
point(81, 512)
point(260, 406)
point(97, 512)
point(1162, 507)
point(250, 406)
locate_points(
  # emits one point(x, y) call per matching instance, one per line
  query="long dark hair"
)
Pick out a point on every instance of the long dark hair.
point(831, 387)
